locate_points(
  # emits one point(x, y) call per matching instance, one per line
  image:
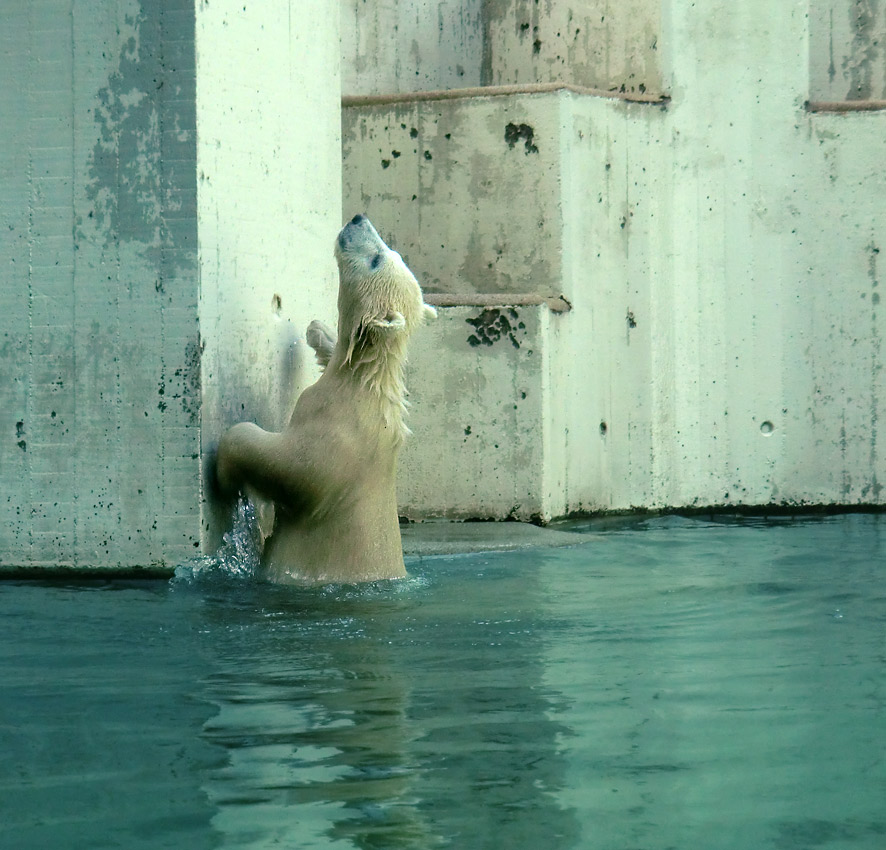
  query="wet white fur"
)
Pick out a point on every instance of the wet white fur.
point(331, 472)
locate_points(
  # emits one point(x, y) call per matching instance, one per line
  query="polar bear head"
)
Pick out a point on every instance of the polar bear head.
point(379, 300)
point(378, 295)
point(380, 304)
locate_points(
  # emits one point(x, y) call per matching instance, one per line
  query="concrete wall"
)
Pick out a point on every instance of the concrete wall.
point(776, 224)
point(591, 43)
point(721, 255)
point(137, 292)
point(167, 226)
point(847, 50)
point(419, 45)
point(409, 166)
point(99, 339)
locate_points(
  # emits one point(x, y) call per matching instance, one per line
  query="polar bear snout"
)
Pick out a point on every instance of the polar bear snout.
point(359, 235)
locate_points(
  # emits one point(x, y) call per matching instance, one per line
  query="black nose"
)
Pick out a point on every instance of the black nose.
point(358, 219)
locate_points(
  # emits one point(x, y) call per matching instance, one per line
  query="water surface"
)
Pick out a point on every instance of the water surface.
point(670, 684)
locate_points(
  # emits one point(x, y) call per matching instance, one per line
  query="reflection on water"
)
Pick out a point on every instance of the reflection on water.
point(672, 683)
point(388, 716)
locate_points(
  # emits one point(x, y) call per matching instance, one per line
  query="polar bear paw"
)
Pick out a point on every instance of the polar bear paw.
point(322, 339)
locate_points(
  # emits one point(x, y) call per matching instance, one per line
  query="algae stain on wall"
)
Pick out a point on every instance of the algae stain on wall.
point(141, 187)
point(864, 64)
point(142, 181)
point(847, 50)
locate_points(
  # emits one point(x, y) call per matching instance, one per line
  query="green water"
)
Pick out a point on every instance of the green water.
point(672, 684)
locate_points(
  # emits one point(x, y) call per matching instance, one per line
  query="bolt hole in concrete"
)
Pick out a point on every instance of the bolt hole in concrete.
point(766, 428)
point(603, 429)
point(277, 304)
point(556, 697)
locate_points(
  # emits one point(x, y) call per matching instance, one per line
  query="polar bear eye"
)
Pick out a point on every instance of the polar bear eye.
point(375, 262)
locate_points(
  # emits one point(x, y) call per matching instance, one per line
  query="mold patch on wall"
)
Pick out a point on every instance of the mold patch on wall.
point(493, 325)
point(515, 132)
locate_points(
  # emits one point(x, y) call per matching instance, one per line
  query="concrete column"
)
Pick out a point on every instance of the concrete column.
point(170, 190)
point(269, 205)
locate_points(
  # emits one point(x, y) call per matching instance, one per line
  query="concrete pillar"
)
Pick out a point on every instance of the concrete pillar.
point(269, 206)
point(137, 308)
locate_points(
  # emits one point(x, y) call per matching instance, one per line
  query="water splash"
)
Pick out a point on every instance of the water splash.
point(239, 555)
point(238, 558)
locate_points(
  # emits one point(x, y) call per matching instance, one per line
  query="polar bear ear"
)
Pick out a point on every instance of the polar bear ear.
point(372, 330)
point(428, 312)
point(393, 320)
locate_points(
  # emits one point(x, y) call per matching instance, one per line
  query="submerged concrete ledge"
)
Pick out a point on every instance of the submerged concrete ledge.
point(443, 537)
point(420, 539)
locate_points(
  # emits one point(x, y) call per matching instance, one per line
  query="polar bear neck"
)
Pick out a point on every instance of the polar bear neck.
point(376, 366)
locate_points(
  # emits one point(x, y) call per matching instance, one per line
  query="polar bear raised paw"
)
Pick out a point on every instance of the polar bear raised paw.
point(322, 339)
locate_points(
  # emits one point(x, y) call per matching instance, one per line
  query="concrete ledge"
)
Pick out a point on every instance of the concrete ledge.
point(62, 573)
point(497, 299)
point(845, 105)
point(498, 91)
point(420, 539)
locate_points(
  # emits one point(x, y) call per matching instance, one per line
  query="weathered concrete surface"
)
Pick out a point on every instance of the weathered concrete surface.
point(420, 45)
point(592, 43)
point(439, 537)
point(137, 308)
point(269, 206)
point(417, 45)
point(847, 50)
point(721, 256)
point(407, 166)
point(99, 343)
point(478, 448)
point(169, 189)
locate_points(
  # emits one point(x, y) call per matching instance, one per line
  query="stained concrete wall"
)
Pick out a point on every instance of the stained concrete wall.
point(170, 187)
point(721, 255)
point(409, 166)
point(100, 344)
point(591, 43)
point(137, 295)
point(419, 45)
point(847, 50)
point(770, 322)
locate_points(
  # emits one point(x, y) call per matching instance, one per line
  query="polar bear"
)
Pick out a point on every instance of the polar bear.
point(331, 472)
